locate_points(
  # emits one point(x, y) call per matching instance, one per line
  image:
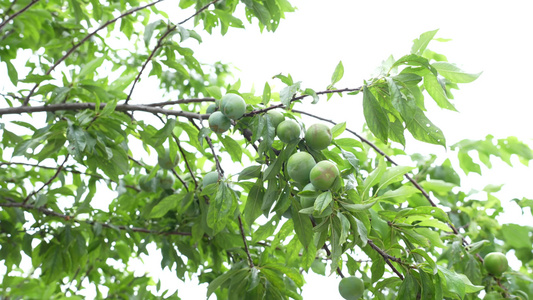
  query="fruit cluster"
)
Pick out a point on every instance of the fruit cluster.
point(230, 107)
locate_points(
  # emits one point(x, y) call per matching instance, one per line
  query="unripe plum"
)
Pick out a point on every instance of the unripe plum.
point(324, 174)
point(218, 122)
point(495, 263)
point(299, 166)
point(288, 131)
point(166, 162)
point(318, 136)
point(351, 288)
point(233, 106)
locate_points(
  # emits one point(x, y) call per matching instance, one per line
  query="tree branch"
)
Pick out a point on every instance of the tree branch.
point(92, 106)
point(250, 261)
point(52, 213)
point(127, 13)
point(13, 16)
point(170, 29)
point(184, 159)
point(220, 174)
point(387, 258)
point(328, 252)
point(198, 11)
point(49, 180)
point(65, 169)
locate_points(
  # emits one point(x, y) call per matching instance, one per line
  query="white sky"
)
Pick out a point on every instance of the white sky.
point(488, 36)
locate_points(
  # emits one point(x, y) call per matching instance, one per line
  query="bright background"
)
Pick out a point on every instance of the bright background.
point(487, 36)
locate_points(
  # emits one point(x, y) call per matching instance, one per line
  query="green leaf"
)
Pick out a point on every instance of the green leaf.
point(149, 31)
point(337, 74)
point(162, 134)
point(409, 288)
point(252, 209)
point(250, 172)
point(436, 212)
point(428, 259)
point(90, 67)
point(168, 203)
point(414, 60)
point(266, 94)
point(467, 163)
point(375, 116)
point(359, 207)
point(454, 73)
point(302, 224)
point(454, 283)
point(416, 122)
point(288, 92)
point(232, 148)
point(338, 129)
point(377, 269)
point(217, 282)
point(322, 201)
point(392, 175)
point(12, 72)
point(311, 93)
point(420, 44)
point(214, 91)
point(400, 194)
point(437, 186)
point(516, 236)
point(437, 92)
point(319, 267)
point(373, 178)
point(362, 231)
point(221, 209)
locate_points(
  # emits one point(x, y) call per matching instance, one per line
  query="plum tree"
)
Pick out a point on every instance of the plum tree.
point(324, 174)
point(318, 136)
point(81, 218)
point(218, 122)
point(299, 166)
point(495, 263)
point(288, 131)
point(351, 288)
point(233, 106)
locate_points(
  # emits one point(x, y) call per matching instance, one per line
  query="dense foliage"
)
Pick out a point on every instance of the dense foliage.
point(91, 175)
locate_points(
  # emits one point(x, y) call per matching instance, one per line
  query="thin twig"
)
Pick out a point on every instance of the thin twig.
point(250, 261)
point(52, 213)
point(328, 252)
point(210, 143)
point(159, 44)
point(49, 180)
point(13, 16)
point(185, 159)
point(180, 179)
point(127, 13)
point(198, 11)
point(387, 258)
point(68, 169)
point(6, 12)
point(220, 174)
